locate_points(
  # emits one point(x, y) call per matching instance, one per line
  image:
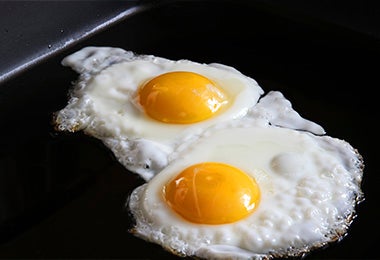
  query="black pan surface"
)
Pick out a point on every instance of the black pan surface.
point(63, 195)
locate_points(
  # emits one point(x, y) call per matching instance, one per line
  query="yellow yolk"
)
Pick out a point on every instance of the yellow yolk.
point(212, 193)
point(181, 97)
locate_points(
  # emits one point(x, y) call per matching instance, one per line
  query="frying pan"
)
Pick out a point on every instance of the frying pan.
point(63, 195)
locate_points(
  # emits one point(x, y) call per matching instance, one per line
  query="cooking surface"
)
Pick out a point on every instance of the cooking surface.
point(63, 195)
point(38, 29)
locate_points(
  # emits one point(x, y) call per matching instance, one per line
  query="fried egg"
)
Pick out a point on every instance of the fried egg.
point(145, 107)
point(251, 191)
point(232, 173)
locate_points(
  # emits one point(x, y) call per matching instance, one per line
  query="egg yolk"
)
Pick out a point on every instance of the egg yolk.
point(181, 97)
point(212, 193)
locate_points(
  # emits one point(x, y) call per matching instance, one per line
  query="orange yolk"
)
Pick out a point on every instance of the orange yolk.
point(212, 193)
point(181, 97)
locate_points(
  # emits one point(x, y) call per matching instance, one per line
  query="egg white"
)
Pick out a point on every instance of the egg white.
point(103, 103)
point(309, 185)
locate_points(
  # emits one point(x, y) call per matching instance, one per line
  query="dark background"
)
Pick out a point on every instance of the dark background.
point(63, 195)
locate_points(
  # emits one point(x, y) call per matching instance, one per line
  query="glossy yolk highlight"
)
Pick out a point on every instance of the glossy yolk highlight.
point(181, 97)
point(212, 193)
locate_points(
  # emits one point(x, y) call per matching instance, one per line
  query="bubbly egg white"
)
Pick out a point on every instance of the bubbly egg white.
point(104, 104)
point(309, 186)
point(309, 182)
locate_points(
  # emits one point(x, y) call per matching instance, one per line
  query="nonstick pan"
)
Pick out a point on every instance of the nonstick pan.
point(63, 195)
